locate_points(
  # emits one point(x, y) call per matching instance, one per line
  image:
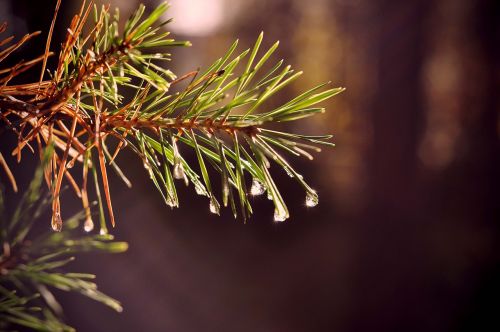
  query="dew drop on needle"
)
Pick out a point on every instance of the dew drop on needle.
point(214, 206)
point(280, 215)
point(257, 188)
point(57, 222)
point(178, 171)
point(88, 225)
point(312, 199)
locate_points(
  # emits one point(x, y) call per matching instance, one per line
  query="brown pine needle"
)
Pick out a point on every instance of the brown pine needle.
point(5, 53)
point(84, 195)
point(47, 44)
point(8, 172)
point(62, 164)
point(6, 40)
point(20, 68)
point(104, 175)
point(70, 178)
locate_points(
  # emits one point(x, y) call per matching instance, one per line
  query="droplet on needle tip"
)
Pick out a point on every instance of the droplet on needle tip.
point(312, 199)
point(257, 188)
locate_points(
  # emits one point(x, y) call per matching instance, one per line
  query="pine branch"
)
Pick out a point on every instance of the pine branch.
point(221, 114)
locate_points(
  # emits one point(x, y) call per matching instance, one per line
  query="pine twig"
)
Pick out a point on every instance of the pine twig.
point(221, 114)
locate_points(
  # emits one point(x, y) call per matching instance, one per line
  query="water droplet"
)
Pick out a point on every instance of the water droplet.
point(178, 171)
point(171, 202)
point(269, 196)
point(312, 199)
point(178, 167)
point(88, 225)
point(57, 222)
point(214, 206)
point(200, 190)
point(103, 231)
point(289, 172)
point(280, 215)
point(258, 187)
point(70, 164)
point(146, 165)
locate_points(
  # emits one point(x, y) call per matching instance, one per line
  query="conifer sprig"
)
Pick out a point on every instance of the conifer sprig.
point(110, 90)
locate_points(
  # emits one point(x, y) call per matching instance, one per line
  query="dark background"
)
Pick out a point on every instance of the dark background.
point(406, 235)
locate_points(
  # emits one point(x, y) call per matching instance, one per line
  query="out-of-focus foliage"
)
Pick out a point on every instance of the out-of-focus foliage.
point(33, 264)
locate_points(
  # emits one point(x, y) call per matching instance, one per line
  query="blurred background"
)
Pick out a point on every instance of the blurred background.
point(406, 235)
